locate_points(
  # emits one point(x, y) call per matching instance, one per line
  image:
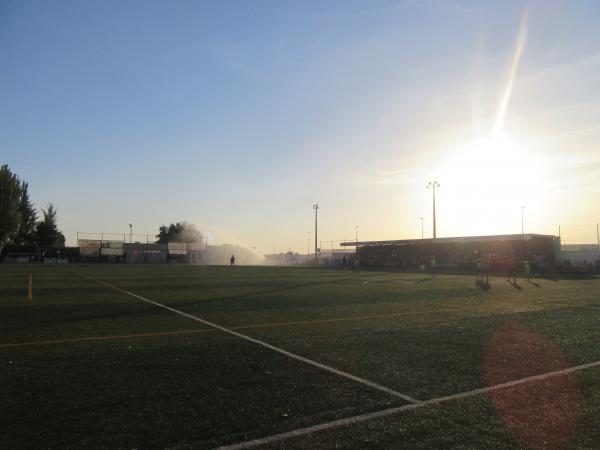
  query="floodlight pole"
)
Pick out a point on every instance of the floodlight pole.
point(316, 208)
point(421, 219)
point(130, 232)
point(433, 185)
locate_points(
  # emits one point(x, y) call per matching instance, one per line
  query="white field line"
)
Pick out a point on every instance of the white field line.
point(329, 369)
point(391, 411)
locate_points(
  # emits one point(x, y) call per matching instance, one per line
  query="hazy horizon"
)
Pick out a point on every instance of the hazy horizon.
point(239, 116)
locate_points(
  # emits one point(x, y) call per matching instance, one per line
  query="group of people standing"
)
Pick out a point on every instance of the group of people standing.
point(350, 263)
point(483, 268)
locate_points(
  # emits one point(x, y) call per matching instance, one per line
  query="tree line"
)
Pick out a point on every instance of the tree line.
point(179, 232)
point(19, 222)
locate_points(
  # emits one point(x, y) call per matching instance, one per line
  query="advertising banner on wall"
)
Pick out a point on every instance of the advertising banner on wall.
point(89, 252)
point(177, 248)
point(112, 251)
point(112, 244)
point(197, 247)
point(89, 248)
point(89, 243)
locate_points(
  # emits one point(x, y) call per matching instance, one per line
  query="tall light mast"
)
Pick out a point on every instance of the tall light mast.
point(433, 185)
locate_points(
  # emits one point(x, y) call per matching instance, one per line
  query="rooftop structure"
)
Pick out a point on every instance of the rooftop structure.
point(454, 240)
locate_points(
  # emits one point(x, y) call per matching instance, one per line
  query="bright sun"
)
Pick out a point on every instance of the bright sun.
point(486, 183)
point(488, 180)
point(498, 165)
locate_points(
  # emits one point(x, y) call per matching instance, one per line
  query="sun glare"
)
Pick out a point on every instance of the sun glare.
point(488, 180)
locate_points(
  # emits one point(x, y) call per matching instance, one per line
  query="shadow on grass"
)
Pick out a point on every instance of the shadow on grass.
point(537, 285)
point(423, 280)
point(515, 285)
point(484, 285)
point(550, 277)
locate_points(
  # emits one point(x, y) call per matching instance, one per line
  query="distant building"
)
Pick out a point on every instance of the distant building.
point(581, 255)
point(286, 259)
point(334, 257)
point(138, 253)
point(460, 252)
point(326, 257)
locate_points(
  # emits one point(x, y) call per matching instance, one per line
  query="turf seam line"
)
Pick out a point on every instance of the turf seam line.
point(396, 410)
point(311, 362)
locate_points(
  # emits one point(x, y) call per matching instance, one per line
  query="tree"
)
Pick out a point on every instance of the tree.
point(179, 232)
point(47, 234)
point(10, 203)
point(26, 232)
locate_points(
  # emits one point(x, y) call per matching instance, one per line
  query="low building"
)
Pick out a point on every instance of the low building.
point(460, 252)
point(138, 253)
point(582, 256)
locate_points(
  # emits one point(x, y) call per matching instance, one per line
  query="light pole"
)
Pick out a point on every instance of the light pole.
point(316, 208)
point(308, 245)
point(433, 185)
point(522, 221)
point(356, 235)
point(421, 219)
point(130, 232)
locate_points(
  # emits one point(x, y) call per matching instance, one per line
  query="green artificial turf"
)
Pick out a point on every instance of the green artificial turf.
point(100, 368)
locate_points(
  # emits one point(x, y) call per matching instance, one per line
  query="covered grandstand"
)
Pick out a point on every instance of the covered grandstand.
point(460, 252)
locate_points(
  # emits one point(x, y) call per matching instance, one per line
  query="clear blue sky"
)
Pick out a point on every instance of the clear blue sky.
point(239, 115)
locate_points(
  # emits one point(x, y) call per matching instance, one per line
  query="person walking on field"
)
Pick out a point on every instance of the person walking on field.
point(510, 268)
point(232, 261)
point(432, 262)
point(355, 267)
point(483, 267)
point(485, 270)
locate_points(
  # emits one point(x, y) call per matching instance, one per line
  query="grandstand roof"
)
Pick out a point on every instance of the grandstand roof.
point(460, 239)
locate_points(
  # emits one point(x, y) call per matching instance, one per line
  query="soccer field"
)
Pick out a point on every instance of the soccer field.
point(201, 357)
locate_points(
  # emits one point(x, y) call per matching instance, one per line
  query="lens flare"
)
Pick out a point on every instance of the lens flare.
point(521, 40)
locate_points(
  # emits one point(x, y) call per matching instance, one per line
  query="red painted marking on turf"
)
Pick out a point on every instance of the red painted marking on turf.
point(542, 414)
